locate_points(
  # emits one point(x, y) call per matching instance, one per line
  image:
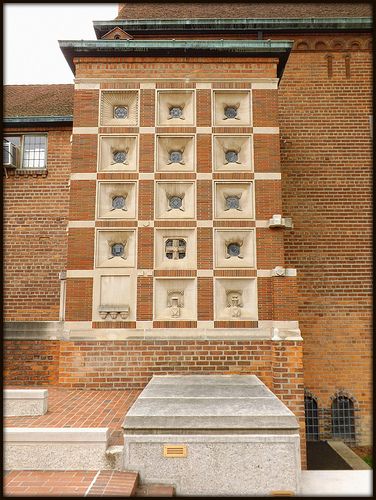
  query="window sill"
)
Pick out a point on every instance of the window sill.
point(23, 172)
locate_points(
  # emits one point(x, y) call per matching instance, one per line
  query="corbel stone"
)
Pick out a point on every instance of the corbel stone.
point(277, 221)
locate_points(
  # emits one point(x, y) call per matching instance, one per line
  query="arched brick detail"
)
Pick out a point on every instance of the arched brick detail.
point(346, 394)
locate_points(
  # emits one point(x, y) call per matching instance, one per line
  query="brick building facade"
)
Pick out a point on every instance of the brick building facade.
point(205, 203)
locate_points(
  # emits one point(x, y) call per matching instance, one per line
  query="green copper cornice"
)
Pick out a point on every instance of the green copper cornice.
point(177, 48)
point(21, 120)
point(175, 26)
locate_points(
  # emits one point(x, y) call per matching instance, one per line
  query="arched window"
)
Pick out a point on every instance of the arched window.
point(311, 418)
point(343, 418)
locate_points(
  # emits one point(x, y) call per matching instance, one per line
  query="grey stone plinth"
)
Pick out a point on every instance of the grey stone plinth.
point(204, 391)
point(56, 448)
point(213, 413)
point(238, 438)
point(25, 402)
point(216, 380)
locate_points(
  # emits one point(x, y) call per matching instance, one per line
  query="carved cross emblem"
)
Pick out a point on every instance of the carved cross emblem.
point(175, 249)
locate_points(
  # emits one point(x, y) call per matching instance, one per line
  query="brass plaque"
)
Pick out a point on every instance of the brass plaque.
point(283, 493)
point(175, 450)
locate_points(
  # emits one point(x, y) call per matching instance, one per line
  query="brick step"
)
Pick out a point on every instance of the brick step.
point(114, 483)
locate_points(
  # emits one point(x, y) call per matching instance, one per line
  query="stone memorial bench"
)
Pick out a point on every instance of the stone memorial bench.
point(213, 435)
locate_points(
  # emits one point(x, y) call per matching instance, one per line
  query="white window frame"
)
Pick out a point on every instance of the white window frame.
point(22, 148)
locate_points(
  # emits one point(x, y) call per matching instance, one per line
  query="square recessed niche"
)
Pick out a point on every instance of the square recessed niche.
point(175, 153)
point(116, 200)
point(114, 298)
point(175, 248)
point(175, 299)
point(117, 153)
point(232, 153)
point(119, 108)
point(232, 108)
point(235, 299)
point(234, 200)
point(175, 200)
point(175, 108)
point(234, 248)
point(115, 248)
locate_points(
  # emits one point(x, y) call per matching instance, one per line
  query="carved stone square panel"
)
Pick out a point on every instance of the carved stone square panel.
point(175, 153)
point(114, 297)
point(232, 153)
point(115, 248)
point(235, 299)
point(116, 200)
point(234, 248)
point(175, 299)
point(232, 108)
point(175, 200)
point(118, 153)
point(233, 200)
point(175, 248)
point(119, 108)
point(175, 108)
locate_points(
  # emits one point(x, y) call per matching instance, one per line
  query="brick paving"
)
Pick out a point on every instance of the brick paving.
point(47, 483)
point(70, 483)
point(81, 408)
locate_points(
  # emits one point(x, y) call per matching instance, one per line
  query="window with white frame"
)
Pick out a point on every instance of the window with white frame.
point(27, 151)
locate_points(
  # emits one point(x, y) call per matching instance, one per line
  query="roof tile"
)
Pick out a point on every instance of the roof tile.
point(38, 100)
point(193, 9)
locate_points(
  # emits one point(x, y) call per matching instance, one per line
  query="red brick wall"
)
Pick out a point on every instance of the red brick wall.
point(35, 239)
point(326, 176)
point(31, 362)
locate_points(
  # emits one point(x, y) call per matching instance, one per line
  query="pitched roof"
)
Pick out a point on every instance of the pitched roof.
point(193, 9)
point(38, 100)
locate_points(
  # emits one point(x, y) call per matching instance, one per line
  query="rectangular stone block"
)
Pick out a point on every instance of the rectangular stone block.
point(28, 402)
point(56, 448)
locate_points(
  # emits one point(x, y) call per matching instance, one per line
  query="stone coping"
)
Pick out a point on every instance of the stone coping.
point(205, 379)
point(351, 458)
point(56, 435)
point(217, 403)
point(245, 334)
point(82, 331)
point(25, 394)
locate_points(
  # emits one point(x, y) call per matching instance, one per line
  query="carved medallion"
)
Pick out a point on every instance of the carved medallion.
point(118, 203)
point(175, 202)
point(120, 112)
point(176, 112)
point(231, 111)
point(176, 157)
point(232, 202)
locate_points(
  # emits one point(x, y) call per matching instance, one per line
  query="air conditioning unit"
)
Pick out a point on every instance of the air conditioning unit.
point(11, 155)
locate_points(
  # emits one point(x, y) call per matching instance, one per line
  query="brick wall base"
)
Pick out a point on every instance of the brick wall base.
point(121, 364)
